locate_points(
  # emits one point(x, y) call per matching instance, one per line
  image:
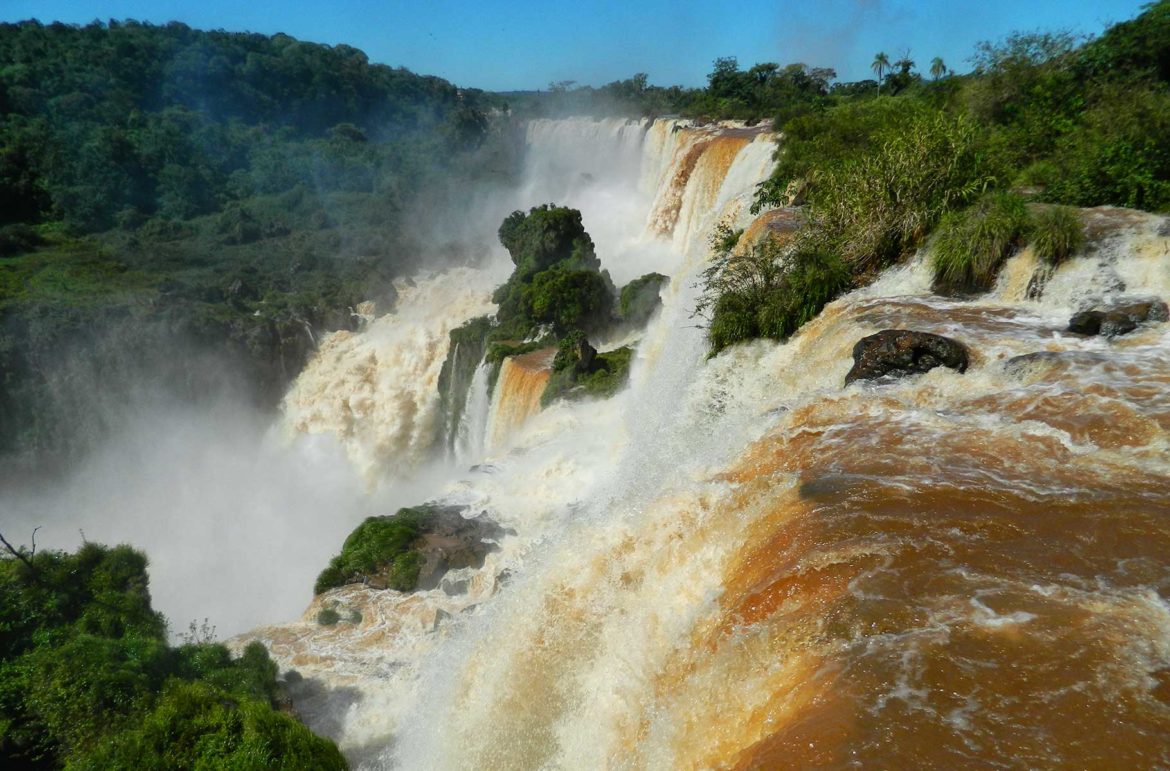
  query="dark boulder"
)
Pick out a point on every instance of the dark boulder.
point(1118, 319)
point(901, 352)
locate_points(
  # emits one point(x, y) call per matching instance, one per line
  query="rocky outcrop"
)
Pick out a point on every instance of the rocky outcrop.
point(412, 549)
point(450, 541)
point(1118, 319)
point(894, 353)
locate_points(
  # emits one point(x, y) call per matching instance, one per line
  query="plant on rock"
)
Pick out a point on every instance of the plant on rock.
point(972, 244)
point(378, 547)
point(1057, 233)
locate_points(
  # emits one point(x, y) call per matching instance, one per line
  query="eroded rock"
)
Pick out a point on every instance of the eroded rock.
point(1118, 319)
point(901, 352)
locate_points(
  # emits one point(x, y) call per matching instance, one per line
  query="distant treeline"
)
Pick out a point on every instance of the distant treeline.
point(103, 124)
point(167, 192)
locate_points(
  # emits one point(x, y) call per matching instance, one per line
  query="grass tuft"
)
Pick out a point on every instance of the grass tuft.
point(972, 244)
point(1057, 233)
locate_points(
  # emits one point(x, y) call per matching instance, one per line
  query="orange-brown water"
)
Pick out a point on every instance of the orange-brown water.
point(518, 390)
point(936, 580)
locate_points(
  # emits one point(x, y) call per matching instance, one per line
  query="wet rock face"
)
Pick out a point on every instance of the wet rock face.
point(901, 352)
point(1118, 319)
point(450, 541)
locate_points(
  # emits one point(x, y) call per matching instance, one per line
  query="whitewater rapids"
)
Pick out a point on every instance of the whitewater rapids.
point(739, 563)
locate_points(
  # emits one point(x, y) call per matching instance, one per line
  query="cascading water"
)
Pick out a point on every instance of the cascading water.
point(741, 563)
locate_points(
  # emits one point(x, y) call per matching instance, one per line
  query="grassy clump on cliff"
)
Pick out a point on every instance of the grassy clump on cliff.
point(88, 681)
point(972, 244)
point(579, 372)
point(769, 291)
point(1057, 233)
point(379, 548)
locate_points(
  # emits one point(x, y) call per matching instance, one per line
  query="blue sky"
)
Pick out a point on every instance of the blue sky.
point(527, 43)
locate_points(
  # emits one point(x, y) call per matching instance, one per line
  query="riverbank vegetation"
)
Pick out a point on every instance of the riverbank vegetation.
point(982, 163)
point(88, 680)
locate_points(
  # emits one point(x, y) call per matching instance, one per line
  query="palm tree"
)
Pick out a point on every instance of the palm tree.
point(937, 68)
point(881, 63)
point(905, 64)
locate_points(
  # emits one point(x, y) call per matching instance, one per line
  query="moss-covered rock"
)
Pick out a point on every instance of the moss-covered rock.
point(641, 297)
point(410, 549)
point(468, 345)
point(580, 372)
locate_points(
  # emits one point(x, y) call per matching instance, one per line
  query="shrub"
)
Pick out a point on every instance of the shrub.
point(972, 244)
point(569, 299)
point(194, 726)
point(769, 292)
point(1119, 154)
point(814, 141)
point(379, 545)
point(86, 675)
point(328, 617)
point(1057, 233)
point(875, 207)
point(640, 298)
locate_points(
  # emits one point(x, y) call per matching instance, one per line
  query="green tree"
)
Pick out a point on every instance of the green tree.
point(881, 63)
point(937, 68)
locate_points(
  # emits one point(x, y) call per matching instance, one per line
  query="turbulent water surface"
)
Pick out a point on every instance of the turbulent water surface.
point(739, 562)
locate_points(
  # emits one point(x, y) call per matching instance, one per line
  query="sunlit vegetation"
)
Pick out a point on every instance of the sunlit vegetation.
point(971, 244)
point(882, 167)
point(378, 547)
point(88, 681)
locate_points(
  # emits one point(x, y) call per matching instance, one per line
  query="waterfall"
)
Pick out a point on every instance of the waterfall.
point(739, 562)
point(471, 439)
point(377, 390)
point(516, 397)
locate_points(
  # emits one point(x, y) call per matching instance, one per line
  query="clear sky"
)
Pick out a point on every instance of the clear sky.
point(525, 44)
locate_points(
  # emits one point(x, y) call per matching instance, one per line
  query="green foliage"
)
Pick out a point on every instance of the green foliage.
point(194, 726)
point(328, 617)
point(1141, 46)
point(379, 546)
point(567, 299)
point(1057, 233)
point(194, 191)
point(546, 236)
point(877, 205)
point(83, 659)
point(770, 291)
point(816, 141)
point(183, 120)
point(556, 284)
point(1119, 154)
point(606, 375)
point(972, 244)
